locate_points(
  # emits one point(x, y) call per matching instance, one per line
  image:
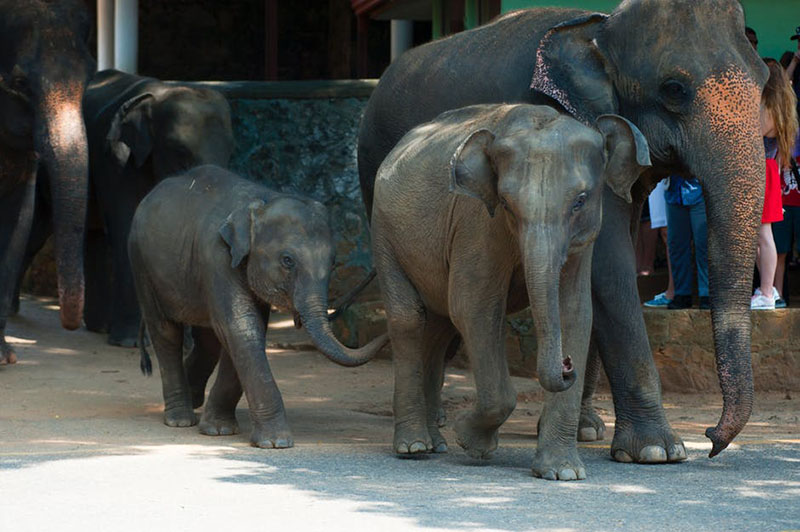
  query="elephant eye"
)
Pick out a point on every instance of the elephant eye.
point(674, 90)
point(580, 201)
point(287, 261)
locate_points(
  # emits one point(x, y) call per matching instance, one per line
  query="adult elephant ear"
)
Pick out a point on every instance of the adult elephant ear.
point(571, 69)
point(129, 133)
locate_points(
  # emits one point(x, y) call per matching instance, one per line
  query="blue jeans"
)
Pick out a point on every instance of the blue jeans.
point(684, 224)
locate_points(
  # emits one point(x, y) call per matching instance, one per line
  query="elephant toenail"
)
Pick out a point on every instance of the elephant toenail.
point(677, 453)
point(587, 434)
point(441, 448)
point(567, 474)
point(622, 456)
point(653, 454)
point(417, 447)
point(550, 475)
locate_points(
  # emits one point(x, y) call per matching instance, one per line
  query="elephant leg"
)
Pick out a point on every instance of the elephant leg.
point(124, 319)
point(241, 326)
point(41, 229)
point(201, 361)
point(97, 270)
point(556, 455)
point(437, 337)
point(590, 425)
point(479, 315)
point(219, 415)
point(642, 432)
point(406, 317)
point(166, 337)
point(16, 216)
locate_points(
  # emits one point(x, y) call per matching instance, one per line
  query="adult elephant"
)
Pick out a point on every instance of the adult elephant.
point(44, 67)
point(695, 98)
point(141, 130)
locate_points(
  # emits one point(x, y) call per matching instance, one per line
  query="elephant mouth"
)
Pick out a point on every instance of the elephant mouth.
point(566, 368)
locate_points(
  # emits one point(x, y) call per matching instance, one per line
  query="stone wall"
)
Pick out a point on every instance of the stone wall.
point(295, 137)
point(680, 339)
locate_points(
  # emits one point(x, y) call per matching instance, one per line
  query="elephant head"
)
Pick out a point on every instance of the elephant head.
point(44, 67)
point(697, 102)
point(289, 252)
point(177, 128)
point(548, 174)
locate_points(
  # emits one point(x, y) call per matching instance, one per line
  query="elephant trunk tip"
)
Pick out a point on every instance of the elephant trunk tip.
point(71, 311)
point(562, 382)
point(718, 444)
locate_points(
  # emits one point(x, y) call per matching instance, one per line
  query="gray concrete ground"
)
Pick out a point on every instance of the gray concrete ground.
point(82, 447)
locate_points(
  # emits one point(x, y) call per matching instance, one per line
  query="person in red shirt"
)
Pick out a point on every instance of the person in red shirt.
point(779, 124)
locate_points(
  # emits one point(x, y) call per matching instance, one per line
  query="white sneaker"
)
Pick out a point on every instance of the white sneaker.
point(761, 302)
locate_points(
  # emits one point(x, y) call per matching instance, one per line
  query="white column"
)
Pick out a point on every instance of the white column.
point(105, 34)
point(402, 37)
point(126, 35)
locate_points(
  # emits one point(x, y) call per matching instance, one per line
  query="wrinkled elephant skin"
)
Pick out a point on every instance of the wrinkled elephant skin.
point(692, 92)
point(214, 251)
point(480, 212)
point(44, 67)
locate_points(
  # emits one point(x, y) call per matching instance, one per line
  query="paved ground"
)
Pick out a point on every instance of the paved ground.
point(82, 447)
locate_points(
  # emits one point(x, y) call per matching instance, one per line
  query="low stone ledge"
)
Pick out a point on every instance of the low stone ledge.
point(681, 341)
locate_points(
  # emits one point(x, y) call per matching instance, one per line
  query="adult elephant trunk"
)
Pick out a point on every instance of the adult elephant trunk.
point(730, 162)
point(311, 302)
point(60, 140)
point(542, 260)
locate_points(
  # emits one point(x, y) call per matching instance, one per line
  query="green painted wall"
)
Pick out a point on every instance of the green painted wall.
point(773, 20)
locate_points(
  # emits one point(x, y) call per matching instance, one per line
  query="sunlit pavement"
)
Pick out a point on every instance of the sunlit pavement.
point(82, 448)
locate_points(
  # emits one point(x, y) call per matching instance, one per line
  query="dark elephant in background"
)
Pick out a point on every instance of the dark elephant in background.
point(695, 95)
point(141, 130)
point(44, 67)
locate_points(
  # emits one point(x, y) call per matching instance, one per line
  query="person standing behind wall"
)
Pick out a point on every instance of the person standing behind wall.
point(780, 127)
point(686, 223)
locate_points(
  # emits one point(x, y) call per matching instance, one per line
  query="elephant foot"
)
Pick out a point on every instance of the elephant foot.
point(647, 443)
point(590, 426)
point(558, 464)
point(180, 416)
point(218, 425)
point(441, 418)
point(124, 336)
point(477, 441)
point(272, 435)
point(413, 439)
point(7, 354)
point(438, 443)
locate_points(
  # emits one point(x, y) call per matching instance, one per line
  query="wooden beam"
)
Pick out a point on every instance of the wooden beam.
point(456, 15)
point(271, 39)
point(362, 46)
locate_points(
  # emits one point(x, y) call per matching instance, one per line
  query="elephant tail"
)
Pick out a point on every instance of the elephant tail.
point(145, 364)
point(348, 299)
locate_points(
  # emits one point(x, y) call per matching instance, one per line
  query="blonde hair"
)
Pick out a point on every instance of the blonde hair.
point(779, 99)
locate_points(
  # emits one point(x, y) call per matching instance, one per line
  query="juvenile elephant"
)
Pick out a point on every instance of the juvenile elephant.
point(695, 96)
point(214, 251)
point(141, 131)
point(517, 229)
point(44, 67)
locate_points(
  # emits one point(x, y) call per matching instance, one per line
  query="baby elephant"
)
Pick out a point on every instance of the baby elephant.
point(214, 251)
point(479, 213)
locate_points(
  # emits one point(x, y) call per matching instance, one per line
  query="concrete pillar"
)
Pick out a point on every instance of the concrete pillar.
point(105, 34)
point(126, 35)
point(402, 37)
